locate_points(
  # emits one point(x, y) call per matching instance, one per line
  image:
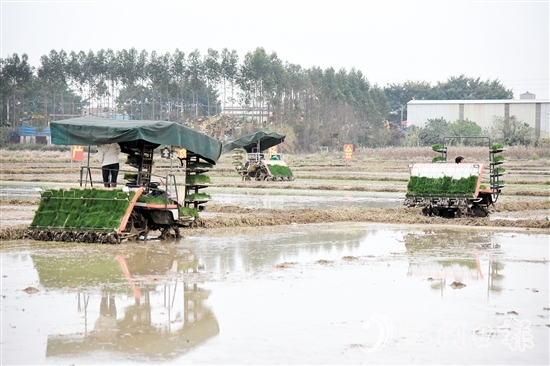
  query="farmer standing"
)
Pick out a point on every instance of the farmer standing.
point(107, 155)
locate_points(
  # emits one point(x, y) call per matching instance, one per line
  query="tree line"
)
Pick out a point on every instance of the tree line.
point(317, 107)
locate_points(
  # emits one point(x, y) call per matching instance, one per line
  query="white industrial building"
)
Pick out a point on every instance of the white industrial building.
point(536, 113)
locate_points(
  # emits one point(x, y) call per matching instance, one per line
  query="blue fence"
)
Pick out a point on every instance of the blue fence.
point(32, 131)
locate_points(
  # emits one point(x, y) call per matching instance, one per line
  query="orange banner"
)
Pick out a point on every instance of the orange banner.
point(348, 151)
point(77, 153)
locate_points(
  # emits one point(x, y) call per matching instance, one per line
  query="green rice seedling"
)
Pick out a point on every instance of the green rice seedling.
point(199, 178)
point(280, 170)
point(498, 159)
point(438, 158)
point(437, 147)
point(188, 211)
point(198, 165)
point(153, 200)
point(442, 186)
point(495, 147)
point(197, 196)
point(86, 208)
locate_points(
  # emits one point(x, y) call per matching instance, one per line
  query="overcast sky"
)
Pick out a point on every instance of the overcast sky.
point(389, 41)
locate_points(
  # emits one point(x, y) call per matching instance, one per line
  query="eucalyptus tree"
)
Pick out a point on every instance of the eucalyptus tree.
point(312, 97)
point(113, 76)
point(74, 76)
point(16, 73)
point(359, 100)
point(275, 82)
point(331, 97)
point(254, 73)
point(463, 87)
point(295, 88)
point(86, 77)
point(178, 71)
point(377, 107)
point(229, 70)
point(195, 76)
point(398, 95)
point(158, 73)
point(307, 106)
point(53, 76)
point(100, 72)
point(4, 94)
point(127, 61)
point(212, 74)
point(153, 73)
point(141, 73)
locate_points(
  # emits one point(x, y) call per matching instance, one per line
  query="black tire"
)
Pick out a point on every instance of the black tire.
point(478, 211)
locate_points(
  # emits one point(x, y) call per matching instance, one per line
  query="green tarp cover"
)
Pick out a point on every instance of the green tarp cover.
point(91, 131)
point(265, 139)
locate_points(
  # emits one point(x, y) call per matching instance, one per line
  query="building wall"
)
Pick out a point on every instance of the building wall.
point(536, 113)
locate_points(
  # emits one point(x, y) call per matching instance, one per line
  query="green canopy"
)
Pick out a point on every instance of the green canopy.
point(90, 131)
point(261, 140)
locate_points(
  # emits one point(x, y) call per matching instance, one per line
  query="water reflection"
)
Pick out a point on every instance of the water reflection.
point(452, 257)
point(138, 319)
point(221, 297)
point(164, 323)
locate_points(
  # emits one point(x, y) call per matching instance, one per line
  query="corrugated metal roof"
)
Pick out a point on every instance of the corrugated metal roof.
point(483, 101)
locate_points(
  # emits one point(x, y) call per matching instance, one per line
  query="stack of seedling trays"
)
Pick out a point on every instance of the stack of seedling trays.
point(83, 215)
point(496, 171)
point(196, 180)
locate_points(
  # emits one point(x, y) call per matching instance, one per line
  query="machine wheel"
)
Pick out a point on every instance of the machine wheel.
point(169, 232)
point(479, 211)
point(447, 213)
point(137, 226)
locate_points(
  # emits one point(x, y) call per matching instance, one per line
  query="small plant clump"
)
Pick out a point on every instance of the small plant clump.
point(442, 186)
point(188, 211)
point(498, 159)
point(438, 159)
point(197, 197)
point(437, 147)
point(154, 200)
point(280, 170)
point(495, 147)
point(199, 178)
point(200, 165)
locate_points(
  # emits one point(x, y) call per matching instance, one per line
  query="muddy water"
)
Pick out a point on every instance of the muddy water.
point(307, 199)
point(309, 294)
point(262, 198)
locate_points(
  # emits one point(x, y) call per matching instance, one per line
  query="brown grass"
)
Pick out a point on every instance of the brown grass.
point(401, 215)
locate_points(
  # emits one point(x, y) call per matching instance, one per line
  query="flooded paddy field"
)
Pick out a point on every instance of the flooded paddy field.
point(354, 293)
point(356, 279)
